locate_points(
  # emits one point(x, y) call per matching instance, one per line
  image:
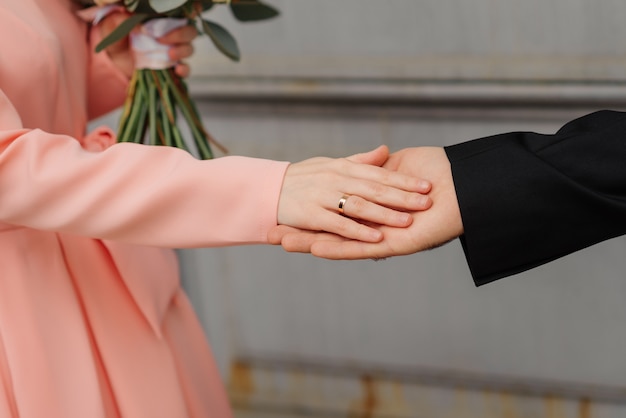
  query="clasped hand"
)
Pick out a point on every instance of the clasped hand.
point(434, 222)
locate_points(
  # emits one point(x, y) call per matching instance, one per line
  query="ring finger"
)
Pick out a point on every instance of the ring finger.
point(388, 196)
point(358, 208)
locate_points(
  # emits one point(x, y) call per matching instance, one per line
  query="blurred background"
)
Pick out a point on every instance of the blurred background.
point(411, 336)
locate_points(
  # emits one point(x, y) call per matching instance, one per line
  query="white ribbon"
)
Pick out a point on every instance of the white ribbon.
point(95, 14)
point(148, 52)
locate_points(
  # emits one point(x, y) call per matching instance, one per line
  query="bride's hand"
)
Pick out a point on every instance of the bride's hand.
point(179, 42)
point(314, 189)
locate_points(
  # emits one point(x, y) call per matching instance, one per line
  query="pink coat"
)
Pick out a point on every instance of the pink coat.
point(93, 322)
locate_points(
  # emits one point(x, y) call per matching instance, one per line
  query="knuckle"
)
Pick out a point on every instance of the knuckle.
point(387, 216)
point(356, 204)
point(342, 164)
point(377, 190)
point(343, 226)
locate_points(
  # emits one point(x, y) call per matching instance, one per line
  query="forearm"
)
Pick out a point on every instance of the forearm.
point(527, 199)
point(158, 196)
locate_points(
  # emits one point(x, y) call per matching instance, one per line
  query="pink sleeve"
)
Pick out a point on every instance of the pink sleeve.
point(157, 196)
point(106, 89)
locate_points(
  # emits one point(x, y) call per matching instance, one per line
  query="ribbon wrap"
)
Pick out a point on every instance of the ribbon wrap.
point(148, 51)
point(95, 14)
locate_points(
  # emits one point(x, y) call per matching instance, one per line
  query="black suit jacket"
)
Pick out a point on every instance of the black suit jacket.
point(527, 198)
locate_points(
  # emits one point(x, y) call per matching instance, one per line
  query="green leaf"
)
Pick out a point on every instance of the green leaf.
point(253, 11)
point(121, 31)
point(131, 5)
point(206, 4)
point(162, 6)
point(222, 39)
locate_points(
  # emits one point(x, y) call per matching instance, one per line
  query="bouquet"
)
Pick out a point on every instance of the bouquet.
point(157, 97)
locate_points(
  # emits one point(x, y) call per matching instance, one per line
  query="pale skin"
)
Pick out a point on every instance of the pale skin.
point(430, 228)
point(312, 188)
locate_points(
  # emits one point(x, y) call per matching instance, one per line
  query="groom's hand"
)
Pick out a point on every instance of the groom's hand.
point(430, 228)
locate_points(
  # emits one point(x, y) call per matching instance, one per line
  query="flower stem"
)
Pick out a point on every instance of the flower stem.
point(150, 112)
point(152, 108)
point(181, 96)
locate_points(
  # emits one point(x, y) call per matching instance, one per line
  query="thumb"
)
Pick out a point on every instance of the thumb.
point(276, 234)
point(375, 157)
point(111, 22)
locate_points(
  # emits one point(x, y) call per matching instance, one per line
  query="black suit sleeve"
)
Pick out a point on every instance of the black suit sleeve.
point(527, 199)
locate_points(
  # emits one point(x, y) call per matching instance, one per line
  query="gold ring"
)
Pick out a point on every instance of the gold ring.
point(342, 203)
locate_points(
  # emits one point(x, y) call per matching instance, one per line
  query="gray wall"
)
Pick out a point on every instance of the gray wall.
point(294, 334)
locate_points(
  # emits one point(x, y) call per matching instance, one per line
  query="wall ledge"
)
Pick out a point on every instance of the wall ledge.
point(507, 92)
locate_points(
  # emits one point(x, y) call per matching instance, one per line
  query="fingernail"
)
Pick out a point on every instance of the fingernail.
point(424, 185)
point(423, 201)
point(376, 236)
point(406, 219)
